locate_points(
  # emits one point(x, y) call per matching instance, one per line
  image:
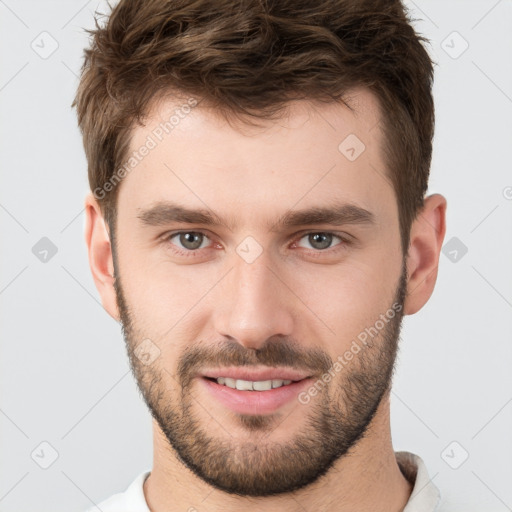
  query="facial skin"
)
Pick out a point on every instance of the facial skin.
point(297, 305)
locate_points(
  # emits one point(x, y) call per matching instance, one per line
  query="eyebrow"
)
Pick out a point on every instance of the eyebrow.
point(163, 213)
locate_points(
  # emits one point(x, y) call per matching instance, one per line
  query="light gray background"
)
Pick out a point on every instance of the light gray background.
point(65, 375)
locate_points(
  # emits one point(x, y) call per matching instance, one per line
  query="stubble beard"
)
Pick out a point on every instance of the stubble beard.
point(334, 421)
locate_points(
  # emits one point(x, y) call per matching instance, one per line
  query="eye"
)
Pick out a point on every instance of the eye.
point(321, 241)
point(189, 240)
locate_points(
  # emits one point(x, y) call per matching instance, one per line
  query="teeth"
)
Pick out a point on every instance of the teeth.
point(248, 385)
point(243, 385)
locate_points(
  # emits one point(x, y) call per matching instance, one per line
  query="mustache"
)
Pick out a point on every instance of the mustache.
point(277, 351)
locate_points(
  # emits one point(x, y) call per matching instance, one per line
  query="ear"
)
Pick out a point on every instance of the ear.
point(101, 262)
point(426, 240)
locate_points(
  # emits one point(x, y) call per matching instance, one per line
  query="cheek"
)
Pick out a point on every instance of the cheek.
point(167, 301)
point(349, 299)
point(154, 301)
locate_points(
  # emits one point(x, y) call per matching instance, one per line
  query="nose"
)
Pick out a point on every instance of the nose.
point(254, 304)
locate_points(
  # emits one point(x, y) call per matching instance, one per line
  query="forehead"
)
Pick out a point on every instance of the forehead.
point(314, 154)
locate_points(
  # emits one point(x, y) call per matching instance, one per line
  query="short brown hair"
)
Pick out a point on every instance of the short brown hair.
point(249, 58)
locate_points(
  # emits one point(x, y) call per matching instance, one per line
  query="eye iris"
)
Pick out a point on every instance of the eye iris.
point(323, 239)
point(191, 240)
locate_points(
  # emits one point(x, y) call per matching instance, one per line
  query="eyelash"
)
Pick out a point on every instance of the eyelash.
point(344, 241)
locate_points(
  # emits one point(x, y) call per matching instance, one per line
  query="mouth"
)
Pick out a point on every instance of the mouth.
point(256, 374)
point(254, 392)
point(252, 385)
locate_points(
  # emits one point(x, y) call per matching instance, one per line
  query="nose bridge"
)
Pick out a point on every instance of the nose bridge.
point(253, 305)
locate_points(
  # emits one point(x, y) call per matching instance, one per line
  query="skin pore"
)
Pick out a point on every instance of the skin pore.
point(300, 302)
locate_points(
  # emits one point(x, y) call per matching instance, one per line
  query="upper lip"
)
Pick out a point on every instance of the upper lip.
point(241, 373)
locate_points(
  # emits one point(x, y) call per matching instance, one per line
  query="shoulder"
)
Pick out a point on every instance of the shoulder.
point(425, 496)
point(130, 500)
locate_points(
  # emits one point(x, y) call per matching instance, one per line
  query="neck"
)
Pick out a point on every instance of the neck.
point(367, 478)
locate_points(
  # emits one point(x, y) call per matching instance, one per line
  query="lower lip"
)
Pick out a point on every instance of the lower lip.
point(255, 402)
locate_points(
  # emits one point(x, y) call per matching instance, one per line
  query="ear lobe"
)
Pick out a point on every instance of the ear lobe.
point(426, 240)
point(100, 255)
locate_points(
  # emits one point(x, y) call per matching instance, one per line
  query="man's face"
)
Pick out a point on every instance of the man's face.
point(259, 288)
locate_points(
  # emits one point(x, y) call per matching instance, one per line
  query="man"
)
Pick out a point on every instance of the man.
point(258, 223)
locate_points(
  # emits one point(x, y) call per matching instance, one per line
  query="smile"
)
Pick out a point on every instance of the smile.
point(248, 385)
